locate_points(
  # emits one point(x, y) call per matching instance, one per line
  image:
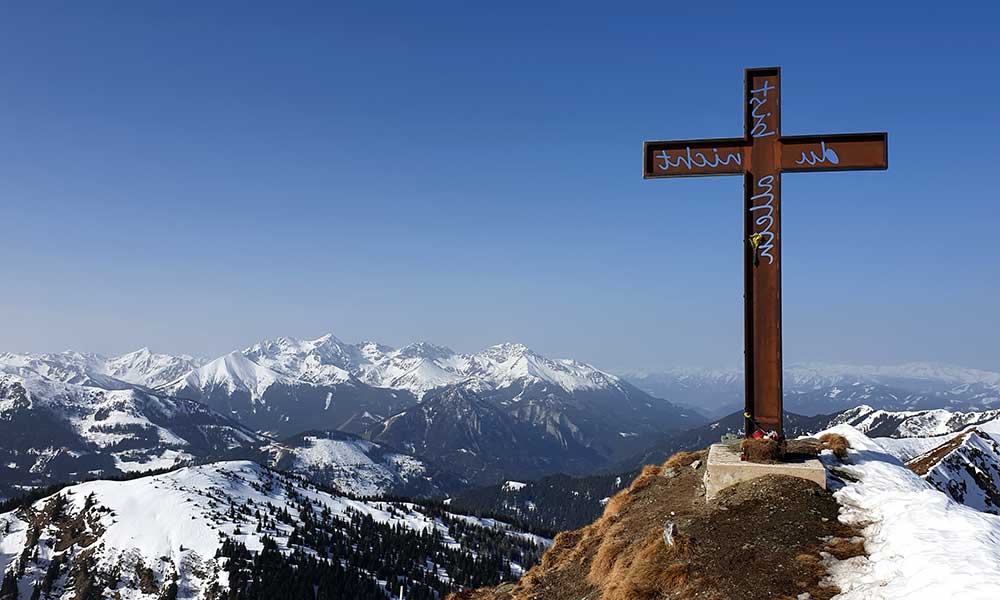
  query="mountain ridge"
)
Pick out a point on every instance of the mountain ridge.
point(239, 530)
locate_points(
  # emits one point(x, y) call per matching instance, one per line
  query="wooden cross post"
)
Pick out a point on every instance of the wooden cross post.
point(760, 156)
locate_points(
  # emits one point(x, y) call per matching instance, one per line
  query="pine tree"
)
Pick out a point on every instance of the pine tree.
point(8, 589)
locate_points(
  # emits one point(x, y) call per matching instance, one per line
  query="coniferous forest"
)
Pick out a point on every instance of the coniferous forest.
point(361, 558)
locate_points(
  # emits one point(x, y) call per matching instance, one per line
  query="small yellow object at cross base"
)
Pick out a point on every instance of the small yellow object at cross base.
point(754, 243)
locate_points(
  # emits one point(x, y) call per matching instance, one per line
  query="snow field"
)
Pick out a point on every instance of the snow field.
point(921, 543)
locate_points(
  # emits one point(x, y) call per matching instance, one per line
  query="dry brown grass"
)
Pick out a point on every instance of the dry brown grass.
point(837, 443)
point(480, 594)
point(844, 548)
point(681, 459)
point(760, 450)
point(815, 564)
point(648, 474)
point(610, 552)
point(804, 446)
point(620, 500)
point(643, 571)
point(812, 562)
point(562, 546)
point(615, 504)
point(636, 565)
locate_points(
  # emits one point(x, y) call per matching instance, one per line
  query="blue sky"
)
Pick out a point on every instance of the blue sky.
point(195, 179)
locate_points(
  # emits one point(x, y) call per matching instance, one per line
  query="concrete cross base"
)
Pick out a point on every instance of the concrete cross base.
point(725, 469)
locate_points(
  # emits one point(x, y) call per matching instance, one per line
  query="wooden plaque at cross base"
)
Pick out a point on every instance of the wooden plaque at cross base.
point(761, 156)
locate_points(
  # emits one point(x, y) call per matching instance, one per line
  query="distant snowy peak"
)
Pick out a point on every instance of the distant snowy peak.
point(506, 364)
point(65, 367)
point(150, 369)
point(329, 361)
point(420, 367)
point(232, 373)
point(141, 367)
point(966, 467)
point(324, 361)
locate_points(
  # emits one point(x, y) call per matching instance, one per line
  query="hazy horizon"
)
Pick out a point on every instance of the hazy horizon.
point(195, 179)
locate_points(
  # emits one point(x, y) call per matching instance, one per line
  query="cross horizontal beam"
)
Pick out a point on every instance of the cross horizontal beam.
point(835, 152)
point(797, 153)
point(695, 158)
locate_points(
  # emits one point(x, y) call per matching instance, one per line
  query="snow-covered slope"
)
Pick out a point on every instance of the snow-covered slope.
point(913, 424)
point(920, 542)
point(908, 434)
point(230, 374)
point(966, 467)
point(193, 532)
point(54, 432)
point(148, 368)
point(356, 466)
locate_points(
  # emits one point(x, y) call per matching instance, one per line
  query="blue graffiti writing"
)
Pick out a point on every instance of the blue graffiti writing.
point(757, 103)
point(697, 159)
point(826, 155)
point(764, 193)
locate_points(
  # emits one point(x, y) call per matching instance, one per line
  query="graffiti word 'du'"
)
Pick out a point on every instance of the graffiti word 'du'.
point(826, 155)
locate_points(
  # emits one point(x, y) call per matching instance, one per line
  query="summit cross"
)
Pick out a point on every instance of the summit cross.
point(761, 156)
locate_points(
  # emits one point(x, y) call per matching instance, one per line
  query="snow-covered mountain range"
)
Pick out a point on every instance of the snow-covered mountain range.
point(140, 367)
point(570, 415)
point(421, 367)
point(505, 412)
point(239, 530)
point(285, 386)
point(53, 432)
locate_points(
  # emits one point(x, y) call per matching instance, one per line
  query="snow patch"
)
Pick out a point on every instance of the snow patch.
point(921, 543)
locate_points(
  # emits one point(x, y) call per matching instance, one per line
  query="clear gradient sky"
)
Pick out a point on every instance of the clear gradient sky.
point(195, 179)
